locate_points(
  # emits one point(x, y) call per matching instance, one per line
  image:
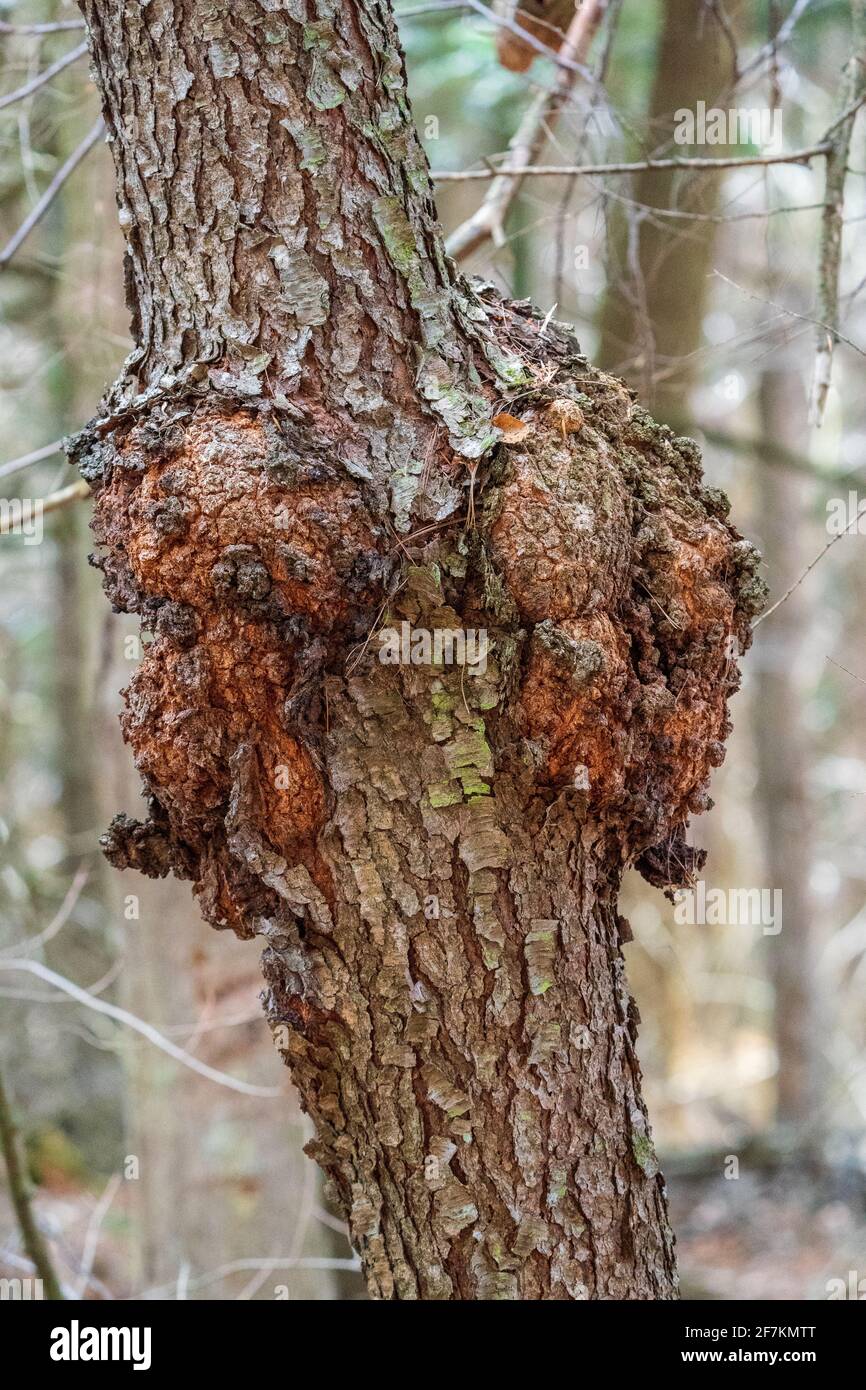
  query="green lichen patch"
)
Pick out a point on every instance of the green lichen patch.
point(310, 143)
point(325, 91)
point(470, 752)
point(396, 232)
point(645, 1154)
point(442, 794)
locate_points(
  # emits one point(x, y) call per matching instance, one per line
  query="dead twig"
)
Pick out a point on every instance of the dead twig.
point(832, 222)
point(54, 27)
point(19, 1190)
point(487, 221)
point(45, 76)
point(769, 52)
point(558, 170)
point(59, 920)
point(808, 570)
point(790, 313)
point(76, 492)
point(38, 212)
point(138, 1025)
point(46, 452)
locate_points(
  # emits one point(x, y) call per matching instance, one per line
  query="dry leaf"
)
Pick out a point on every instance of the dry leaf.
point(513, 430)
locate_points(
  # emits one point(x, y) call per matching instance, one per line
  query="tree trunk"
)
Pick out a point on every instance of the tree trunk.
point(302, 452)
point(782, 757)
point(661, 266)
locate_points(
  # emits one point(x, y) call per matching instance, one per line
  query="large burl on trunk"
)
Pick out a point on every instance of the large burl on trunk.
point(302, 451)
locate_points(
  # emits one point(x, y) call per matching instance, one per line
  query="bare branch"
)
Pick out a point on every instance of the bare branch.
point(808, 570)
point(58, 922)
point(46, 452)
point(333, 1223)
point(500, 21)
point(38, 212)
point(792, 313)
point(20, 1194)
point(45, 76)
point(54, 28)
point(568, 57)
point(17, 1261)
point(770, 50)
point(350, 1263)
point(557, 170)
point(727, 29)
point(487, 221)
point(659, 216)
point(94, 1226)
point(850, 110)
point(76, 492)
point(846, 669)
point(830, 257)
point(138, 1025)
point(614, 11)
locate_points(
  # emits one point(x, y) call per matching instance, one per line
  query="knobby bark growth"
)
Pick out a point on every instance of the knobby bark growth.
point(301, 450)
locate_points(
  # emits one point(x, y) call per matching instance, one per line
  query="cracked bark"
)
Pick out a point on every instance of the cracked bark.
point(302, 450)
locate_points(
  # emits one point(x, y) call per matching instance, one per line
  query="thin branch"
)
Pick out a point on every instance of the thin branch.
point(658, 216)
point(101, 1006)
point(19, 1189)
point(333, 1223)
point(727, 30)
point(17, 1261)
point(770, 50)
point(500, 21)
point(75, 492)
point(614, 10)
point(38, 212)
point(54, 28)
point(850, 110)
point(568, 58)
point(848, 672)
point(557, 170)
point(441, 8)
point(58, 922)
point(832, 222)
point(46, 452)
point(791, 313)
point(45, 76)
point(270, 1262)
point(94, 1226)
point(488, 220)
point(808, 570)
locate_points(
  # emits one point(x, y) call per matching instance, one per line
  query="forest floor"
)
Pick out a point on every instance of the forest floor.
point(783, 1233)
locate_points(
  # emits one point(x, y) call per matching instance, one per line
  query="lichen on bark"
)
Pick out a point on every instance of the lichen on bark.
point(302, 450)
